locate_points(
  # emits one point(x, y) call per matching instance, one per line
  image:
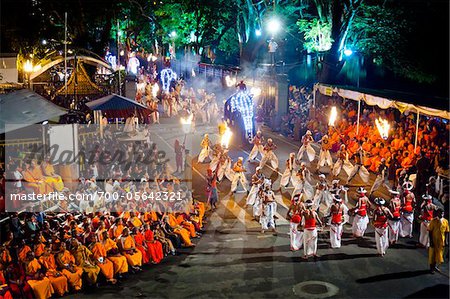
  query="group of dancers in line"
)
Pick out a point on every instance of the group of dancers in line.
point(390, 220)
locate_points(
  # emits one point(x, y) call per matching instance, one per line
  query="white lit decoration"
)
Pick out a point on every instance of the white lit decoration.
point(193, 73)
point(383, 127)
point(167, 75)
point(133, 64)
point(230, 81)
point(226, 137)
point(333, 116)
point(243, 102)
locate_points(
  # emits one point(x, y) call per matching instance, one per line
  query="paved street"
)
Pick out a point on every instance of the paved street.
point(233, 258)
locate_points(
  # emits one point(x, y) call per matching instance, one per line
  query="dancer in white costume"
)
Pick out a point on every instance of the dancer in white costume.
point(302, 186)
point(216, 154)
point(337, 188)
point(342, 162)
point(269, 155)
point(257, 180)
point(294, 215)
point(206, 149)
point(382, 177)
point(324, 155)
point(427, 210)
point(322, 193)
point(408, 205)
point(239, 175)
point(269, 208)
point(289, 172)
point(380, 218)
point(307, 139)
point(224, 168)
point(258, 146)
point(337, 222)
point(310, 235)
point(359, 168)
point(394, 222)
point(361, 219)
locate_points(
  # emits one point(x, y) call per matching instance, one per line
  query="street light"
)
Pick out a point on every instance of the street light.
point(348, 52)
point(274, 26)
point(173, 34)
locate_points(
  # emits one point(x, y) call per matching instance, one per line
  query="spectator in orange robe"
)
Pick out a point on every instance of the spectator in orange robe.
point(119, 261)
point(100, 257)
point(66, 263)
point(57, 279)
point(139, 240)
point(39, 283)
point(128, 248)
point(155, 249)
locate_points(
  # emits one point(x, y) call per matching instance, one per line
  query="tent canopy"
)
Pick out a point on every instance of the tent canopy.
point(23, 108)
point(384, 99)
point(117, 106)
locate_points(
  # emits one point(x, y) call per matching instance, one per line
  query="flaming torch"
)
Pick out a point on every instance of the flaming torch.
point(226, 138)
point(230, 81)
point(333, 115)
point(383, 127)
point(155, 89)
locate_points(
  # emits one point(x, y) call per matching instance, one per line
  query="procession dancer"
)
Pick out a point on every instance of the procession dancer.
point(381, 179)
point(427, 212)
point(269, 155)
point(211, 188)
point(342, 162)
point(257, 180)
point(322, 194)
point(258, 205)
point(394, 221)
point(337, 188)
point(307, 139)
point(310, 234)
point(269, 208)
point(361, 219)
point(336, 227)
point(324, 155)
point(359, 168)
point(294, 215)
point(216, 154)
point(225, 167)
point(258, 146)
point(380, 218)
point(408, 204)
point(239, 175)
point(206, 149)
point(302, 186)
point(289, 172)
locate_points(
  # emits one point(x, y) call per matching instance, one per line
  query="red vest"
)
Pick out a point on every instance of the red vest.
point(381, 220)
point(336, 218)
point(427, 215)
point(362, 210)
point(310, 223)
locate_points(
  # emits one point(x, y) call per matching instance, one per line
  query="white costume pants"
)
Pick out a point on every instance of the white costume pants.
point(406, 228)
point(204, 153)
point(424, 238)
point(269, 157)
point(325, 158)
point(310, 241)
point(238, 176)
point(394, 229)
point(296, 236)
point(335, 235)
point(255, 150)
point(382, 239)
point(359, 225)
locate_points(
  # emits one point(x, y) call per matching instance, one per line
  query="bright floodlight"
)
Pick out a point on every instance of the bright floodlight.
point(274, 25)
point(44, 42)
point(258, 32)
point(348, 52)
point(173, 34)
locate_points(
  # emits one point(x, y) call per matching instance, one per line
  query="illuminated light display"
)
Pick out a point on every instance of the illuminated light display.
point(243, 102)
point(333, 116)
point(167, 76)
point(255, 91)
point(383, 127)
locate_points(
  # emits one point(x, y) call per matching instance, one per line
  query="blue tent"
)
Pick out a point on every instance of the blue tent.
point(115, 105)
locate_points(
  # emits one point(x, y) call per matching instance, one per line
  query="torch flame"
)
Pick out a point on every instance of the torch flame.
point(383, 127)
point(187, 120)
point(155, 89)
point(230, 81)
point(333, 115)
point(226, 137)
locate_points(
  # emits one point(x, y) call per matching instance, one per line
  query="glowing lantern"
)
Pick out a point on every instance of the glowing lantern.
point(383, 127)
point(226, 137)
point(333, 116)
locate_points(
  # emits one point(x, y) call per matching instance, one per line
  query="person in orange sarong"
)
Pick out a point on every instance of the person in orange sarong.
point(57, 279)
point(177, 229)
point(83, 260)
point(154, 248)
point(38, 174)
point(33, 182)
point(134, 220)
point(181, 220)
point(66, 263)
point(112, 252)
point(49, 173)
point(128, 248)
point(23, 251)
point(141, 245)
point(100, 257)
point(39, 283)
